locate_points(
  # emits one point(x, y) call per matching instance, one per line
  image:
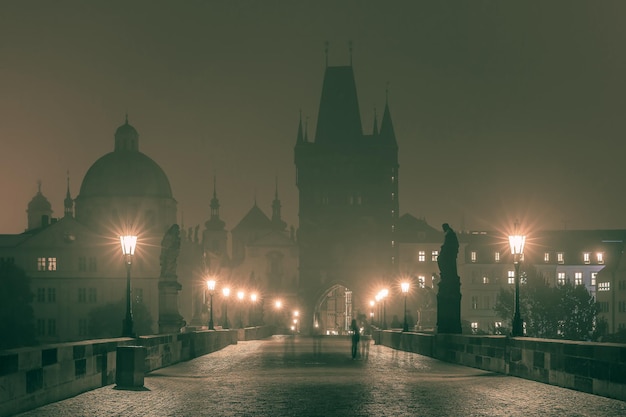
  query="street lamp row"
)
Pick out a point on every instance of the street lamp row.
point(211, 284)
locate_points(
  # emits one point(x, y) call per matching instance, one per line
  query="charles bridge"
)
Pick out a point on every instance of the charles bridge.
point(253, 372)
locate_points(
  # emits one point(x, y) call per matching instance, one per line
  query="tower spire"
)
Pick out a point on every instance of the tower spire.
point(386, 125)
point(375, 129)
point(68, 203)
point(306, 129)
point(300, 136)
point(326, 52)
point(350, 50)
point(277, 222)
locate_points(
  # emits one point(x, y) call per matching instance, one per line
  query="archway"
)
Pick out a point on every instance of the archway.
point(334, 310)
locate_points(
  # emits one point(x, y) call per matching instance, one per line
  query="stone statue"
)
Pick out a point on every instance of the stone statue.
point(170, 248)
point(449, 251)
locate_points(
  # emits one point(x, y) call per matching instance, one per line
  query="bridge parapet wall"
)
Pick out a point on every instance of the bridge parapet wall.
point(34, 376)
point(596, 368)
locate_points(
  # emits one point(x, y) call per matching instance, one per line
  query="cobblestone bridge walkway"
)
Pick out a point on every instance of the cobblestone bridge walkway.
point(296, 376)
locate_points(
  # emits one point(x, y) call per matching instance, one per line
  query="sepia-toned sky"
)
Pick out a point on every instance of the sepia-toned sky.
point(502, 110)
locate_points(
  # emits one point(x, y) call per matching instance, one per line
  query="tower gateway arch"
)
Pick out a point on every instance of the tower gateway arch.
point(348, 207)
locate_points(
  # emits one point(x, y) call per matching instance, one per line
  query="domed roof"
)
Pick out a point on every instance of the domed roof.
point(127, 174)
point(125, 171)
point(39, 202)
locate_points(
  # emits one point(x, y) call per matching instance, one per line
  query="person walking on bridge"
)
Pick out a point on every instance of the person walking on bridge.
point(355, 338)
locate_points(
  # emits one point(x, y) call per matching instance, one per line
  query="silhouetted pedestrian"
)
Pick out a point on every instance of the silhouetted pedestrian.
point(356, 335)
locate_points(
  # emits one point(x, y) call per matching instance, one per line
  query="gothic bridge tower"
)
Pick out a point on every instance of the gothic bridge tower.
point(348, 203)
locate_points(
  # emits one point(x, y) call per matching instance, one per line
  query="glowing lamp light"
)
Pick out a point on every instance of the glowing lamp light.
point(253, 297)
point(405, 287)
point(517, 244)
point(278, 304)
point(211, 284)
point(226, 291)
point(240, 295)
point(129, 243)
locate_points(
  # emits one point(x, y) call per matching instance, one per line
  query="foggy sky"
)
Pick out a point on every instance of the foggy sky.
point(501, 110)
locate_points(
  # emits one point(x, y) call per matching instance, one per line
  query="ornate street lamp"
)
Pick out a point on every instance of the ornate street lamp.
point(517, 250)
point(240, 297)
point(405, 291)
point(372, 303)
point(253, 319)
point(226, 293)
point(384, 293)
point(211, 286)
point(129, 243)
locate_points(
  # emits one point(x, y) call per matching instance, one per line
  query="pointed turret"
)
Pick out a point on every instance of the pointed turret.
point(375, 129)
point(300, 138)
point(277, 222)
point(339, 119)
point(68, 203)
point(386, 126)
point(214, 222)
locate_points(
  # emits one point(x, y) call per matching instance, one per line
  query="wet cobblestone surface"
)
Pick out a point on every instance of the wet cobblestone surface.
point(287, 376)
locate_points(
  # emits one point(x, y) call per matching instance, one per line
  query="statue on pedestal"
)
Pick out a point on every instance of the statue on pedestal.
point(449, 294)
point(170, 320)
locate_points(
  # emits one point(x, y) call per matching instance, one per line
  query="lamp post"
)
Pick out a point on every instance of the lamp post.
point(384, 293)
point(226, 293)
point(517, 250)
point(253, 316)
point(211, 286)
point(129, 243)
point(405, 291)
point(372, 304)
point(240, 296)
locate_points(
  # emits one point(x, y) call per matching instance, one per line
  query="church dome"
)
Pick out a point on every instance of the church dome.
point(39, 203)
point(125, 172)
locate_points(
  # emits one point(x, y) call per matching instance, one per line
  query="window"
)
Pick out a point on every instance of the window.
point(473, 256)
point(434, 255)
point(52, 264)
point(52, 295)
point(421, 256)
point(587, 258)
point(496, 256)
point(578, 278)
point(41, 327)
point(621, 306)
point(603, 306)
point(511, 277)
point(41, 264)
point(498, 327)
point(421, 281)
point(593, 278)
point(560, 258)
point(560, 278)
point(600, 257)
point(82, 263)
point(485, 280)
point(486, 302)
point(474, 303)
point(474, 326)
point(82, 295)
point(52, 327)
point(546, 256)
point(93, 265)
point(41, 295)
point(393, 243)
point(393, 228)
point(604, 286)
